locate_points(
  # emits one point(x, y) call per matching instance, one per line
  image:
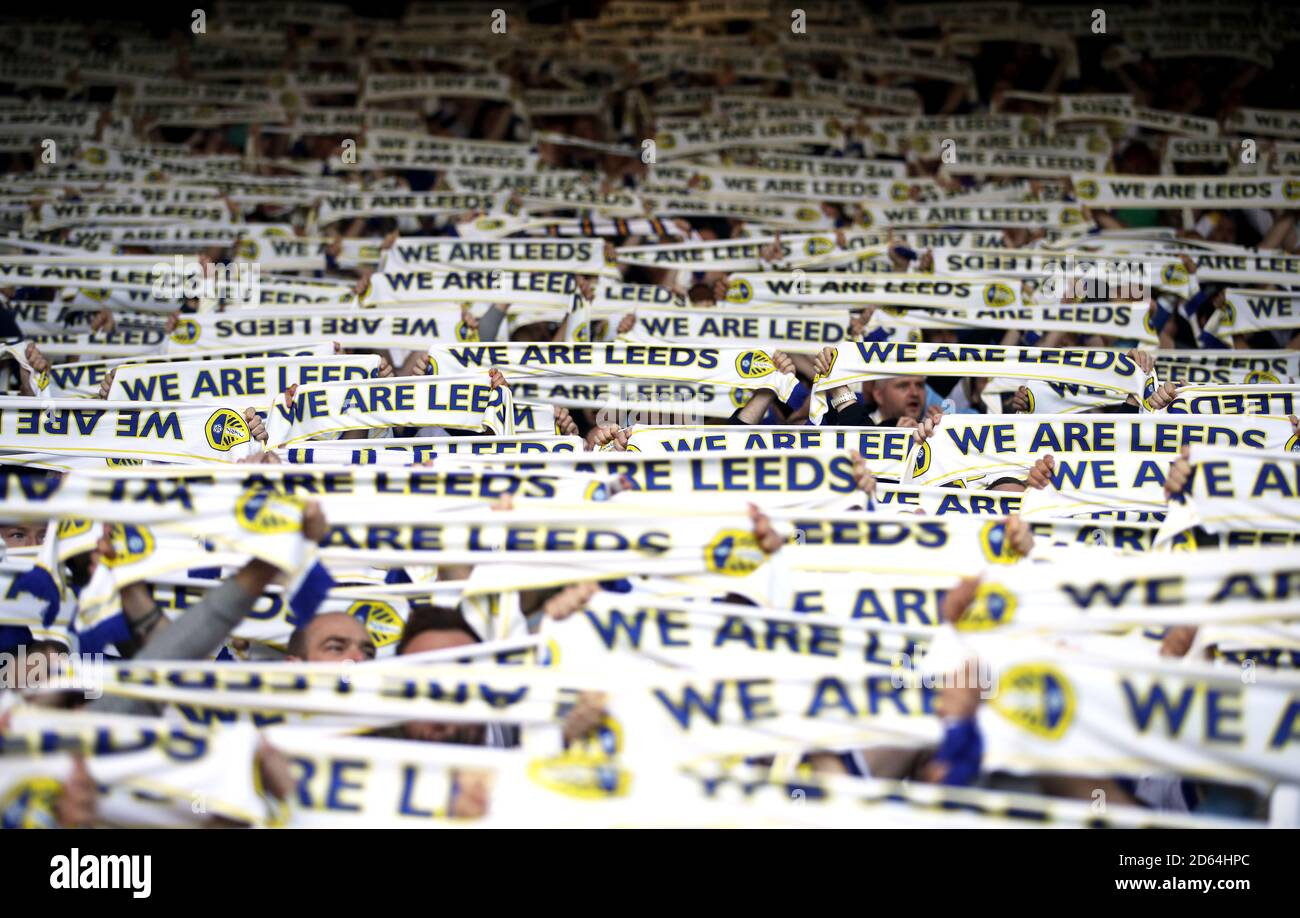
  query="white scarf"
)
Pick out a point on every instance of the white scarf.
point(157, 773)
point(1097, 190)
point(464, 401)
point(273, 328)
point(977, 216)
point(582, 256)
point(414, 450)
point(1139, 589)
point(886, 445)
point(958, 292)
point(1234, 490)
point(1257, 310)
point(390, 204)
point(973, 446)
point(1086, 713)
point(732, 367)
point(255, 380)
point(1278, 401)
point(1251, 268)
point(855, 363)
point(1121, 320)
point(486, 286)
point(148, 430)
point(726, 254)
point(628, 402)
point(82, 380)
point(1228, 366)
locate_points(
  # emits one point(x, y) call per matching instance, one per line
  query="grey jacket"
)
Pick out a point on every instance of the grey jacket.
point(196, 635)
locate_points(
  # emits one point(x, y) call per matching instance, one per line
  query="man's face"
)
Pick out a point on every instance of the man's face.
point(337, 636)
point(22, 535)
point(429, 732)
point(900, 397)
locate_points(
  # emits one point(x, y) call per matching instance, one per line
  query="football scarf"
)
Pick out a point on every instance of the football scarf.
point(776, 214)
point(966, 447)
point(1251, 268)
point(1258, 399)
point(1120, 275)
point(1236, 489)
point(1259, 310)
point(611, 226)
point(628, 402)
point(1190, 150)
point(165, 518)
point(772, 476)
point(388, 204)
point(955, 292)
point(1128, 321)
point(166, 495)
point(778, 133)
point(124, 342)
point(1179, 587)
point(180, 235)
point(688, 633)
point(36, 599)
point(56, 216)
point(769, 184)
point(979, 807)
point(277, 253)
point(890, 543)
point(384, 691)
point(463, 402)
point(387, 87)
point(486, 286)
point(149, 771)
point(581, 256)
point(984, 163)
point(106, 429)
point(855, 363)
point(730, 367)
point(725, 254)
point(698, 542)
point(143, 552)
point(258, 380)
point(1052, 397)
point(876, 444)
point(283, 292)
point(1265, 121)
point(270, 328)
point(1085, 713)
point(1120, 108)
point(415, 450)
point(1097, 190)
point(376, 782)
point(82, 380)
point(912, 602)
point(1226, 367)
point(902, 101)
point(816, 166)
point(1093, 488)
point(979, 216)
